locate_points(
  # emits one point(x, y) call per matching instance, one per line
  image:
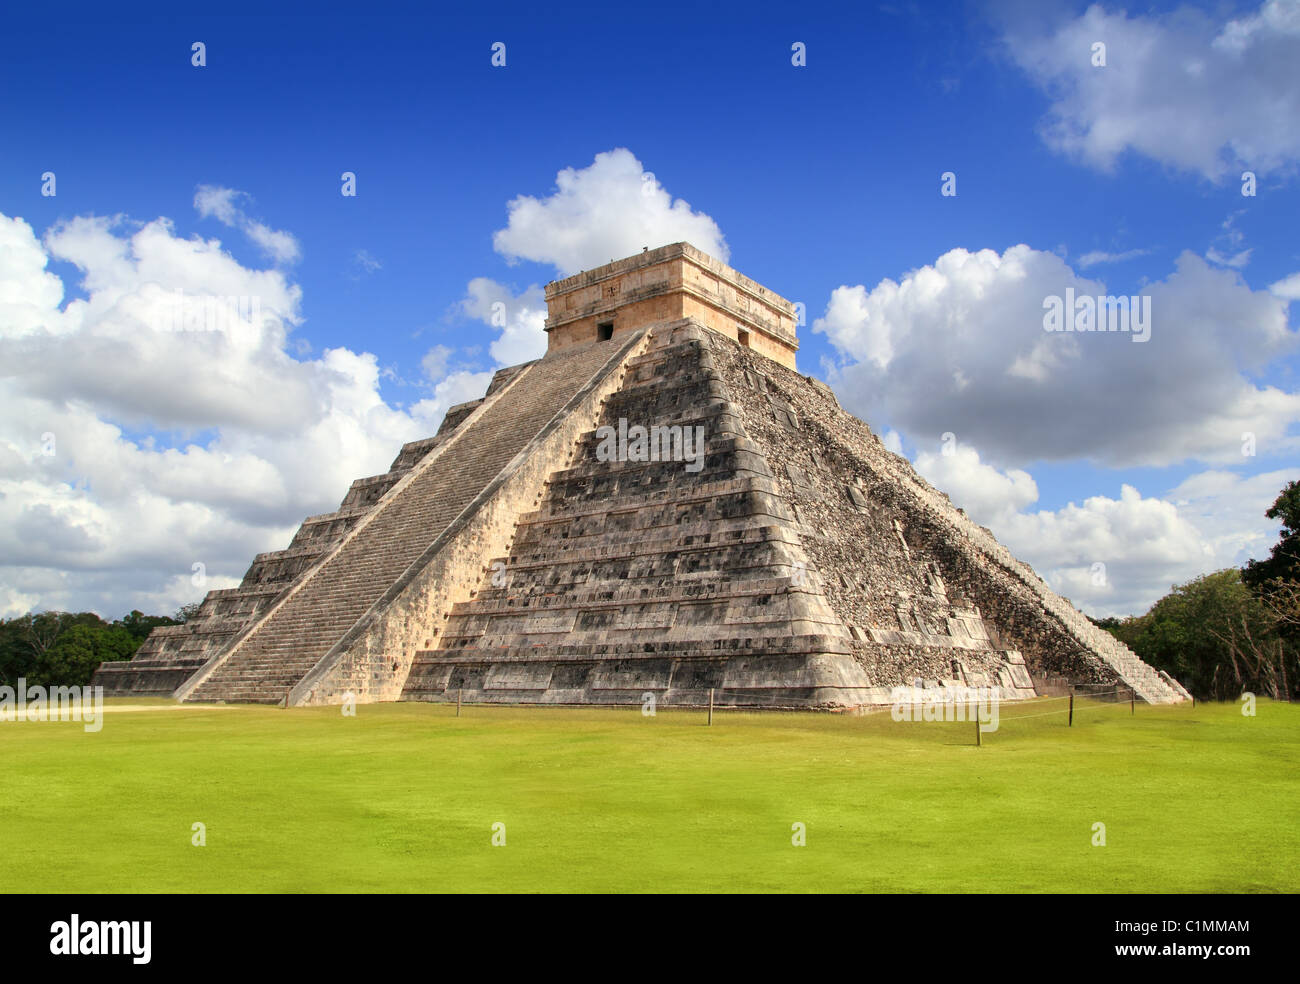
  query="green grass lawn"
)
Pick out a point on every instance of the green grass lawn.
point(402, 797)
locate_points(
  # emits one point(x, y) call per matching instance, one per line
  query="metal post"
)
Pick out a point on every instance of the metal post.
point(459, 691)
point(1070, 723)
point(710, 707)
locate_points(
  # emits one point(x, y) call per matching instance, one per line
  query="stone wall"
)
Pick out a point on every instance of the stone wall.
point(800, 564)
point(641, 575)
point(903, 554)
point(668, 284)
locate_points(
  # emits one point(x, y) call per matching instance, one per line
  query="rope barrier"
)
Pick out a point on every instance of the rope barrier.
point(1025, 717)
point(802, 703)
point(938, 701)
point(1006, 709)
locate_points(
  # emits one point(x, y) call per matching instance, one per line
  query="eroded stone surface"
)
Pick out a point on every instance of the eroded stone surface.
point(795, 563)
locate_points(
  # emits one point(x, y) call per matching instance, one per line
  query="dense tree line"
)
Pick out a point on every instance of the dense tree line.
point(1232, 631)
point(63, 648)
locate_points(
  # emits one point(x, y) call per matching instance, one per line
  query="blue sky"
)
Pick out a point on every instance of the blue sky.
point(823, 183)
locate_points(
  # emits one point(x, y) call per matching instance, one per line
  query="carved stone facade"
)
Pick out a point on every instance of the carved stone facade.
point(671, 283)
point(793, 562)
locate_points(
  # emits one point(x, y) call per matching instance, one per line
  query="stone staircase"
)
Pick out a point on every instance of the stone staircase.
point(172, 654)
point(277, 652)
point(635, 576)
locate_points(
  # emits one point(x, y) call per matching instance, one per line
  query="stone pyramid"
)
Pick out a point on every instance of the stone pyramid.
point(565, 540)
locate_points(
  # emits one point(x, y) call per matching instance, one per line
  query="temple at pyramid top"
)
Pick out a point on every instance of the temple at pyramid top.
point(668, 284)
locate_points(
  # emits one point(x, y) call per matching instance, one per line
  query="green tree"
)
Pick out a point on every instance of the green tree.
point(63, 648)
point(24, 640)
point(1276, 580)
point(73, 657)
point(1283, 562)
point(16, 655)
point(1110, 623)
point(1216, 637)
point(140, 625)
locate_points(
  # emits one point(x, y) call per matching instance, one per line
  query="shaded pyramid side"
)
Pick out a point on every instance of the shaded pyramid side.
point(927, 594)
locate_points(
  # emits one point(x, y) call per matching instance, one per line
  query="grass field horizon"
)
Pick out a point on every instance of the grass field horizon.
point(402, 798)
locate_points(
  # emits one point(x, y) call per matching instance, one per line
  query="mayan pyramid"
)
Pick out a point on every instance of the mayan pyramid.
point(524, 555)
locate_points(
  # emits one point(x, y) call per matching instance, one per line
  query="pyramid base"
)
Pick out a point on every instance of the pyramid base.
point(796, 682)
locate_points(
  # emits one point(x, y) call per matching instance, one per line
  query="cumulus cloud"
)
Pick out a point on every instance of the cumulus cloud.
point(960, 346)
point(131, 451)
point(225, 205)
point(610, 209)
point(435, 361)
point(1115, 555)
point(1097, 257)
point(452, 384)
point(460, 386)
point(1236, 261)
point(1287, 287)
point(519, 318)
point(602, 212)
point(118, 348)
point(984, 491)
point(1182, 88)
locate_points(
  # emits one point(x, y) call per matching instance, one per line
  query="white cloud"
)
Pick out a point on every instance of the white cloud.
point(606, 211)
point(1236, 261)
point(116, 349)
point(1097, 257)
point(959, 346)
point(366, 262)
point(985, 492)
point(1229, 509)
point(114, 518)
point(610, 209)
point(223, 204)
point(435, 362)
point(1144, 545)
point(1276, 18)
point(521, 319)
point(1287, 287)
point(1181, 88)
point(1227, 249)
point(460, 386)
point(14, 603)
